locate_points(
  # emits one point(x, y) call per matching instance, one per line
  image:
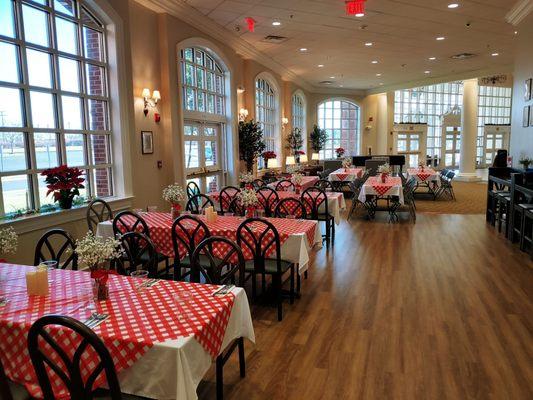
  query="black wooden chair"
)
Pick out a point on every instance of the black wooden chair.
point(199, 202)
point(128, 221)
point(324, 184)
point(227, 194)
point(220, 270)
point(290, 207)
point(192, 189)
point(355, 188)
point(236, 208)
point(98, 211)
point(139, 253)
point(268, 198)
point(258, 183)
point(187, 232)
point(57, 245)
point(285, 185)
point(261, 238)
point(316, 204)
point(10, 390)
point(79, 387)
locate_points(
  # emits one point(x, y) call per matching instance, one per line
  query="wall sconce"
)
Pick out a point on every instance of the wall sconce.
point(150, 101)
point(243, 114)
point(240, 89)
point(284, 121)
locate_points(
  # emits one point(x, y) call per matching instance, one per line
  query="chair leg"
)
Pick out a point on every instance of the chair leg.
point(291, 294)
point(279, 297)
point(332, 224)
point(298, 282)
point(242, 361)
point(220, 377)
point(327, 232)
point(254, 286)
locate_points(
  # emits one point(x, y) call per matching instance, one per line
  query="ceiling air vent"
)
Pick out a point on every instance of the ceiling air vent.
point(325, 83)
point(274, 39)
point(462, 56)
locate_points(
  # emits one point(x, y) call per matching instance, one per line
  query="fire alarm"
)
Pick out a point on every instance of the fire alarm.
point(370, 119)
point(159, 164)
point(157, 117)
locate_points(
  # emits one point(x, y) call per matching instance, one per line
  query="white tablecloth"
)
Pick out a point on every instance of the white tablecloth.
point(422, 176)
point(345, 175)
point(173, 369)
point(368, 188)
point(336, 203)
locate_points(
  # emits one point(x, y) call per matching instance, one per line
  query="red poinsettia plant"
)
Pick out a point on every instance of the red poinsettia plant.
point(65, 183)
point(299, 153)
point(267, 155)
point(340, 151)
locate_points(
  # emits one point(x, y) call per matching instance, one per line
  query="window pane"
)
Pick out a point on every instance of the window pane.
point(102, 180)
point(99, 149)
point(39, 68)
point(69, 75)
point(15, 193)
point(12, 154)
point(42, 110)
point(46, 150)
point(10, 107)
point(191, 130)
point(92, 44)
point(75, 147)
point(9, 63)
point(72, 112)
point(97, 115)
point(95, 80)
point(35, 25)
point(67, 36)
point(210, 153)
point(65, 6)
point(47, 202)
point(191, 154)
point(7, 23)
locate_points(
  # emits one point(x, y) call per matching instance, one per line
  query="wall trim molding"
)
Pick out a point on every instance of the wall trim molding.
point(519, 11)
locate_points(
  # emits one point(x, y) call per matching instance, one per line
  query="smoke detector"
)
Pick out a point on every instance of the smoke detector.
point(326, 83)
point(274, 39)
point(462, 56)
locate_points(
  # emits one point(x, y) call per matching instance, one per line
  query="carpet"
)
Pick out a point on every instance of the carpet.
point(471, 199)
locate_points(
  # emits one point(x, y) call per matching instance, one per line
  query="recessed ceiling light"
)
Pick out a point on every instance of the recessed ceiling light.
point(516, 32)
point(303, 49)
point(380, 83)
point(341, 85)
point(432, 58)
point(427, 72)
point(453, 5)
point(359, 15)
point(320, 65)
point(378, 74)
point(440, 38)
point(331, 77)
point(276, 23)
point(374, 62)
point(495, 54)
point(368, 44)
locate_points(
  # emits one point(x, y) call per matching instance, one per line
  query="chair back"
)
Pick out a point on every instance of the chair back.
point(42, 343)
point(290, 207)
point(261, 238)
point(139, 253)
point(313, 199)
point(285, 185)
point(199, 202)
point(372, 165)
point(324, 184)
point(57, 245)
point(192, 189)
point(129, 221)
point(227, 194)
point(258, 183)
point(98, 211)
point(225, 261)
point(5, 391)
point(268, 198)
point(236, 207)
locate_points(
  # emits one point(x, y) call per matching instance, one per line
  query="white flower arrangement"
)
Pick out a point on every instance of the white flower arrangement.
point(248, 198)
point(297, 178)
point(246, 178)
point(347, 162)
point(384, 169)
point(174, 194)
point(94, 250)
point(293, 169)
point(8, 241)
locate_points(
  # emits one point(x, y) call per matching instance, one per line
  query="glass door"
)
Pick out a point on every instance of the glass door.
point(452, 147)
point(494, 141)
point(408, 144)
point(203, 154)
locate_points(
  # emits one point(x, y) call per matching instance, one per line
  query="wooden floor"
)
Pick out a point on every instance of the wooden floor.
point(438, 310)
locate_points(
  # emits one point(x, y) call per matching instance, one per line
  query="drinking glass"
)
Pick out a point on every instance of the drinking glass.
point(183, 299)
point(290, 216)
point(228, 214)
point(49, 265)
point(260, 213)
point(151, 209)
point(141, 275)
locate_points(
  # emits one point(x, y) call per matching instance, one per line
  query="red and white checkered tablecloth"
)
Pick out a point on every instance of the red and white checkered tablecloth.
point(137, 320)
point(307, 182)
point(160, 226)
point(346, 174)
point(375, 187)
point(425, 175)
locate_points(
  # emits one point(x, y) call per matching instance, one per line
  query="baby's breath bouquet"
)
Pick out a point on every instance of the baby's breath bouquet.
point(248, 198)
point(347, 163)
point(174, 194)
point(384, 169)
point(8, 241)
point(246, 179)
point(297, 178)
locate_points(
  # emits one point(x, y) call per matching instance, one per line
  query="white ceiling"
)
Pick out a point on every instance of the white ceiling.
point(403, 33)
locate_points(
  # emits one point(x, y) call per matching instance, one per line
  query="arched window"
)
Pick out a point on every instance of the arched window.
point(340, 119)
point(54, 100)
point(299, 115)
point(266, 114)
point(204, 85)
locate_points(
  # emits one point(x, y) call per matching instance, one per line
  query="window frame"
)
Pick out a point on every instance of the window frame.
point(28, 130)
point(263, 106)
point(299, 116)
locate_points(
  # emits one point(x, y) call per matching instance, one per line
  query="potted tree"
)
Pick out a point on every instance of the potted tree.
point(250, 142)
point(318, 138)
point(295, 142)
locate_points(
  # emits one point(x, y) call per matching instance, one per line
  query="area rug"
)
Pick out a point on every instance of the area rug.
point(471, 199)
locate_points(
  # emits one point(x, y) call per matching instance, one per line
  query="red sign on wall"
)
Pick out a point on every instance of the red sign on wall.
point(355, 7)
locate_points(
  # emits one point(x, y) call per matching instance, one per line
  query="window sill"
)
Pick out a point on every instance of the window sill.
point(37, 222)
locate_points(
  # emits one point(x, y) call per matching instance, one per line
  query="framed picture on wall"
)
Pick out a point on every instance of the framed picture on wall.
point(525, 122)
point(147, 142)
point(530, 115)
point(527, 89)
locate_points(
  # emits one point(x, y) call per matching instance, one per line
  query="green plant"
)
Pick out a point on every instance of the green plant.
point(318, 138)
point(295, 140)
point(525, 161)
point(250, 142)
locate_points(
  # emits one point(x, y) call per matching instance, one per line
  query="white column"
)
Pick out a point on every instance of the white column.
point(381, 125)
point(469, 116)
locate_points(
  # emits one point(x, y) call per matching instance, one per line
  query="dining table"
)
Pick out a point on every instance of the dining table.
point(425, 178)
point(345, 175)
point(307, 182)
point(297, 237)
point(161, 347)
